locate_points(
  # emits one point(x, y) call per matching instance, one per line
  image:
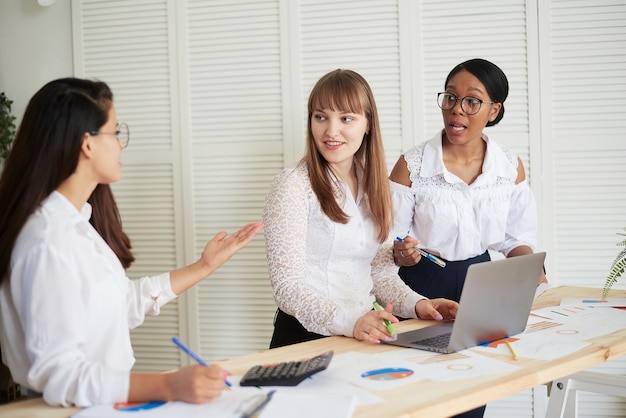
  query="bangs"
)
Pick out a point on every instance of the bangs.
point(339, 95)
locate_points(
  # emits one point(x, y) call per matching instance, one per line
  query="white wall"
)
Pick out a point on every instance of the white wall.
point(35, 47)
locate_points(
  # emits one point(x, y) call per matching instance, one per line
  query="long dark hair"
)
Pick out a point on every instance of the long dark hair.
point(45, 153)
point(106, 219)
point(492, 77)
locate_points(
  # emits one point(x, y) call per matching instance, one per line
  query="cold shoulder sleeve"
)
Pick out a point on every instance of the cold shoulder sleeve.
point(522, 225)
point(403, 203)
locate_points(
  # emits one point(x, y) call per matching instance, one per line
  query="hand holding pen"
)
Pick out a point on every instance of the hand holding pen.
point(387, 323)
point(198, 359)
point(375, 325)
point(411, 258)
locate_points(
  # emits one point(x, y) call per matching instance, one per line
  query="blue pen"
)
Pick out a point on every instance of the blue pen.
point(193, 355)
point(429, 256)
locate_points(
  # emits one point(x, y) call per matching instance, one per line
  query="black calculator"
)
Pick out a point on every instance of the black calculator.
point(287, 373)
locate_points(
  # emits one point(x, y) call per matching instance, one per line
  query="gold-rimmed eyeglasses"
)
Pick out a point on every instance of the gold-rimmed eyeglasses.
point(122, 134)
point(470, 105)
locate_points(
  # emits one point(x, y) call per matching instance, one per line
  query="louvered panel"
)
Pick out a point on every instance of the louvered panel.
point(126, 45)
point(230, 191)
point(590, 205)
point(235, 78)
point(236, 124)
point(362, 36)
point(589, 55)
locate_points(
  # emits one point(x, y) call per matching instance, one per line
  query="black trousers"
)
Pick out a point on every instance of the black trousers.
point(288, 330)
point(432, 281)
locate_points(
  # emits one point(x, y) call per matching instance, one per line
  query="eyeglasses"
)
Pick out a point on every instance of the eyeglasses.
point(469, 105)
point(122, 134)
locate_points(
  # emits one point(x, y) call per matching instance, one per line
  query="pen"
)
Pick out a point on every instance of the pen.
point(390, 328)
point(429, 256)
point(193, 355)
point(511, 349)
point(257, 406)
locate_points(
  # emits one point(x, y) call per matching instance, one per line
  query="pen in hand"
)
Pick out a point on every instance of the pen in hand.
point(429, 256)
point(390, 328)
point(193, 355)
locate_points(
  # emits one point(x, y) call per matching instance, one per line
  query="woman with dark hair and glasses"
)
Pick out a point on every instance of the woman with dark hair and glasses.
point(66, 304)
point(461, 194)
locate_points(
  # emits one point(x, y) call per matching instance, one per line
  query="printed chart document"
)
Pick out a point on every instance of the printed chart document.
point(231, 404)
point(608, 302)
point(317, 396)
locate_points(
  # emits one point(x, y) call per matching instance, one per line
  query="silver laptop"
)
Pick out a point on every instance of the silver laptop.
point(495, 303)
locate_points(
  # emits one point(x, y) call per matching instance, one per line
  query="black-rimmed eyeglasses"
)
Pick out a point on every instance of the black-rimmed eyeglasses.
point(470, 105)
point(122, 134)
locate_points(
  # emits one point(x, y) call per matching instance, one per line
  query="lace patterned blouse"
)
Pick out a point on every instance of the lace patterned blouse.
point(459, 221)
point(328, 274)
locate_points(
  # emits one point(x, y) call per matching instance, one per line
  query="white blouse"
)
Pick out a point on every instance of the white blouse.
point(327, 274)
point(458, 221)
point(68, 306)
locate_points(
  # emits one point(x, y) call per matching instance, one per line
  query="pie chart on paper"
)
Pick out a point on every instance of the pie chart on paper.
point(389, 373)
point(134, 407)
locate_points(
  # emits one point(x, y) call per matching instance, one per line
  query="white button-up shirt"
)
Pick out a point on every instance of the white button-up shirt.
point(67, 308)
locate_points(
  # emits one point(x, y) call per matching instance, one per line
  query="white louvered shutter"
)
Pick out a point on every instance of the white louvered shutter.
point(586, 151)
point(586, 127)
point(235, 119)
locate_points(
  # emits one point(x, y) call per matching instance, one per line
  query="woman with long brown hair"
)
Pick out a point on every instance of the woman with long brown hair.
point(328, 221)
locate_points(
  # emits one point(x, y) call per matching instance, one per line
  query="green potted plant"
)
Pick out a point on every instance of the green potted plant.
point(9, 390)
point(7, 126)
point(617, 268)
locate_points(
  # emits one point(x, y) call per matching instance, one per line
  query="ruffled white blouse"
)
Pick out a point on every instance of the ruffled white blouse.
point(458, 221)
point(328, 274)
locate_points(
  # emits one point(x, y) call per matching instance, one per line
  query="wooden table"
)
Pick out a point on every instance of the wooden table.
point(424, 398)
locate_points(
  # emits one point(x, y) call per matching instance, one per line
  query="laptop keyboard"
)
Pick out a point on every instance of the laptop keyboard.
point(439, 341)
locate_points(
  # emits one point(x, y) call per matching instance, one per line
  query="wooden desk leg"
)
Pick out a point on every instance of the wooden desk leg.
point(563, 396)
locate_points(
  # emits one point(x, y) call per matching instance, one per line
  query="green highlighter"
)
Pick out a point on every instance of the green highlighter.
point(386, 321)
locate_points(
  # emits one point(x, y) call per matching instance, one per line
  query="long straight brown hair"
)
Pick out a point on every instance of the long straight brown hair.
point(347, 91)
point(46, 152)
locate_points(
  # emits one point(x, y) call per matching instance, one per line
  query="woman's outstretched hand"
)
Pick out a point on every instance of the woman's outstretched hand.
point(216, 252)
point(222, 247)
